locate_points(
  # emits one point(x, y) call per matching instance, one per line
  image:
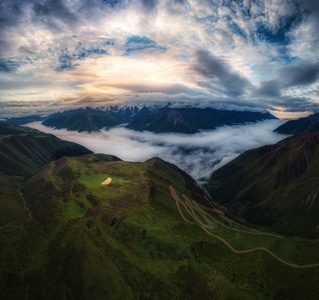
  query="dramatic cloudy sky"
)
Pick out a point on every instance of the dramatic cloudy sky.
point(248, 53)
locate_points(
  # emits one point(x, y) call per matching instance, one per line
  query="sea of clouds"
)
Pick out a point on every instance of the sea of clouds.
point(198, 154)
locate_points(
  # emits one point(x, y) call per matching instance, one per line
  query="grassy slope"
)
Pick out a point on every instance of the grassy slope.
point(128, 240)
point(274, 186)
point(23, 150)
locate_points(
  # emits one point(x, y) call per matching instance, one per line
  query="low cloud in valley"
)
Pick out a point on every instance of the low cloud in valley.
point(197, 154)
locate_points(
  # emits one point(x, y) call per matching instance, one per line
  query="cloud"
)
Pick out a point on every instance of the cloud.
point(69, 61)
point(51, 11)
point(156, 88)
point(198, 154)
point(299, 74)
point(149, 4)
point(268, 89)
point(305, 37)
point(252, 51)
point(215, 68)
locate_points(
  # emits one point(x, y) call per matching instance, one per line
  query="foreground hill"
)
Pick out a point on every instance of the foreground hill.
point(148, 232)
point(274, 186)
point(191, 120)
point(23, 150)
point(302, 125)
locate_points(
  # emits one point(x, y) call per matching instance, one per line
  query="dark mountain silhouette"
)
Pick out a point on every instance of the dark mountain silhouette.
point(23, 150)
point(25, 119)
point(83, 119)
point(190, 120)
point(165, 119)
point(91, 119)
point(302, 125)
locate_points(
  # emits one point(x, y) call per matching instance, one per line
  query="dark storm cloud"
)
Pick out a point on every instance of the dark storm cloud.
point(268, 89)
point(217, 69)
point(149, 4)
point(54, 9)
point(299, 75)
point(180, 1)
point(10, 13)
point(291, 104)
point(302, 74)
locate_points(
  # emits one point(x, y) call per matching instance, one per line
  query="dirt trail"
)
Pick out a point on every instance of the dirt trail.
point(177, 200)
point(193, 208)
point(248, 230)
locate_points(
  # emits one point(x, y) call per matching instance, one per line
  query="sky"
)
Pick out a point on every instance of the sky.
point(245, 54)
point(198, 154)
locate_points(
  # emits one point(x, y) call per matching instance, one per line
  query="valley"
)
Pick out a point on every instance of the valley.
point(94, 225)
point(197, 154)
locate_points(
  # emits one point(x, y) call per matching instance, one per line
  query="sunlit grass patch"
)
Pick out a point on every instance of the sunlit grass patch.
point(76, 209)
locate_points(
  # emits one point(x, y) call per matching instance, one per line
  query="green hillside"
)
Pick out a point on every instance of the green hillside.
point(23, 150)
point(274, 186)
point(151, 233)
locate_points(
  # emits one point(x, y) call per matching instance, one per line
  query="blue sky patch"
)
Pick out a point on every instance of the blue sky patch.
point(111, 3)
point(67, 60)
point(8, 66)
point(136, 43)
point(280, 36)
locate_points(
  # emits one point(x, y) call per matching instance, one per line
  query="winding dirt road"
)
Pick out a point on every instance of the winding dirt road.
point(195, 211)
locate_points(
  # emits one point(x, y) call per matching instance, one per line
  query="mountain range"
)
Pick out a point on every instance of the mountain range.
point(87, 119)
point(191, 120)
point(93, 226)
point(156, 119)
